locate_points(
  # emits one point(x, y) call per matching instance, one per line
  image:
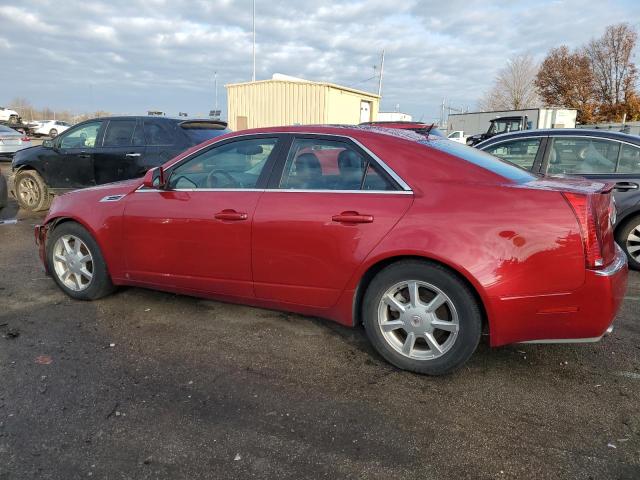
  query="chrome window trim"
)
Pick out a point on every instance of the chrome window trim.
point(141, 189)
point(551, 135)
point(405, 187)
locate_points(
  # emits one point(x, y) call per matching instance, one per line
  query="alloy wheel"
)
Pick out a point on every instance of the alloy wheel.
point(73, 263)
point(418, 320)
point(633, 243)
point(29, 192)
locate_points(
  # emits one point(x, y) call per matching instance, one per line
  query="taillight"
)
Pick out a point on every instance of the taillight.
point(25, 139)
point(583, 208)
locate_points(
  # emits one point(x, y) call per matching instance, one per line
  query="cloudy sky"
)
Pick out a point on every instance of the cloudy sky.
point(128, 56)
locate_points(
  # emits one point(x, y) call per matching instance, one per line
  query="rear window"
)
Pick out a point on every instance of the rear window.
point(4, 129)
point(201, 132)
point(484, 160)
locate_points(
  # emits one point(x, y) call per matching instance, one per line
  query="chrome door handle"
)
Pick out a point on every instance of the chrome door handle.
point(624, 186)
point(132, 154)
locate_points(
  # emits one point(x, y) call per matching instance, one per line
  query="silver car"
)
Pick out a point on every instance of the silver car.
point(12, 141)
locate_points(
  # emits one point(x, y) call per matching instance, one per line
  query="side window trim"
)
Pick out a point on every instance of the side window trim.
point(278, 170)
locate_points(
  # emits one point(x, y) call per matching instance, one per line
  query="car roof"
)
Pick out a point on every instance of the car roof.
point(563, 132)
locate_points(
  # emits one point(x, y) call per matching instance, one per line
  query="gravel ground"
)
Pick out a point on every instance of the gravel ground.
point(149, 385)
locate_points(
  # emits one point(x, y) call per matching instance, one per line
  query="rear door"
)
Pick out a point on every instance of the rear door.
point(119, 155)
point(328, 205)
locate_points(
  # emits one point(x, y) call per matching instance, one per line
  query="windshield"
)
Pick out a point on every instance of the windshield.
point(199, 135)
point(484, 160)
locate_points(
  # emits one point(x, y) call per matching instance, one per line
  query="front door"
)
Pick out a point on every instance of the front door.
point(70, 162)
point(319, 220)
point(120, 153)
point(195, 235)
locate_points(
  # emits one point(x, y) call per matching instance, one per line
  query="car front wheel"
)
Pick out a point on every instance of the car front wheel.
point(628, 238)
point(421, 317)
point(76, 263)
point(31, 192)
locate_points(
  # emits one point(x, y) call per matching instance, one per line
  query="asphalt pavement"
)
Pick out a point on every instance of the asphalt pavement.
point(151, 385)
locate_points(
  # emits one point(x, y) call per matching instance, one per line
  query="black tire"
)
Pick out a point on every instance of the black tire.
point(100, 284)
point(462, 297)
point(53, 133)
point(630, 226)
point(31, 192)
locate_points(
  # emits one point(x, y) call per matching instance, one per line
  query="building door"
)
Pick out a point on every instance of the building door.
point(365, 111)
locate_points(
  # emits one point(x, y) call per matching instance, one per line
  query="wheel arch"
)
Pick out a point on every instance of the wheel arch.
point(379, 264)
point(629, 215)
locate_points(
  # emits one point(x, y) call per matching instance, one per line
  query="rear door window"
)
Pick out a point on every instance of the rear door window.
point(119, 133)
point(521, 152)
point(575, 155)
point(319, 164)
point(158, 133)
point(629, 159)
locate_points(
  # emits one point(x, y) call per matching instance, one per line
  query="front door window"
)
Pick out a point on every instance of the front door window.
point(81, 137)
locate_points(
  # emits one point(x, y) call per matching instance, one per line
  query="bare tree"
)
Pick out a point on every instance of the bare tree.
point(610, 58)
point(513, 88)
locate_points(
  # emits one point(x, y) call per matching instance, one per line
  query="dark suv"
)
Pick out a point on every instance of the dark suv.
point(595, 154)
point(102, 150)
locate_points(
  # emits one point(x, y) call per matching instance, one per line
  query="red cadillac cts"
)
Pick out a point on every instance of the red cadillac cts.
point(426, 242)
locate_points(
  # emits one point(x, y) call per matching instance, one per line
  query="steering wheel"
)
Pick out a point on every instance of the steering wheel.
point(212, 180)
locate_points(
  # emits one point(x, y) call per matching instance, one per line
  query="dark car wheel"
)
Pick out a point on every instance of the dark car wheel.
point(31, 192)
point(421, 317)
point(3, 192)
point(76, 263)
point(53, 133)
point(628, 237)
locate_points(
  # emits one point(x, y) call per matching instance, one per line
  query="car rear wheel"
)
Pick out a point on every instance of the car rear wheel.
point(53, 133)
point(629, 239)
point(421, 317)
point(31, 192)
point(76, 263)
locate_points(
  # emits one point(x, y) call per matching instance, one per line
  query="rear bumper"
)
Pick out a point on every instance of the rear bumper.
point(584, 315)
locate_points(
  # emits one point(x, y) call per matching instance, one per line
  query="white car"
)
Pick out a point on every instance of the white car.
point(8, 115)
point(11, 141)
point(51, 128)
point(458, 136)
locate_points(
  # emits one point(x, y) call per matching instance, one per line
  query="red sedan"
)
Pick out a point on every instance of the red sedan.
point(426, 242)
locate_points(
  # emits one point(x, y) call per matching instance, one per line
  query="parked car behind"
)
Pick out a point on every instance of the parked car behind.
point(426, 242)
point(51, 128)
point(595, 154)
point(9, 116)
point(11, 141)
point(458, 136)
point(100, 151)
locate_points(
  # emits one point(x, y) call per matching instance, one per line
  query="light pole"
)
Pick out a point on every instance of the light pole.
point(215, 88)
point(253, 77)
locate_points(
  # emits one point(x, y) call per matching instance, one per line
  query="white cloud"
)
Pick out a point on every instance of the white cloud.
point(137, 54)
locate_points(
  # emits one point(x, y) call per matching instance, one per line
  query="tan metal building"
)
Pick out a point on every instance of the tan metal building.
point(286, 100)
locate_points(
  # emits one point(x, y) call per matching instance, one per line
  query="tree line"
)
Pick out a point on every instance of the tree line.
point(29, 113)
point(599, 79)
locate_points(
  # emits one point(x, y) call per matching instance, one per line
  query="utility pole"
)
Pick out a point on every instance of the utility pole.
point(215, 88)
point(381, 72)
point(253, 77)
point(442, 113)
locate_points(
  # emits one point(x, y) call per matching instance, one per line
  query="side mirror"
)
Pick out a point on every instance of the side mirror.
point(154, 178)
point(47, 144)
